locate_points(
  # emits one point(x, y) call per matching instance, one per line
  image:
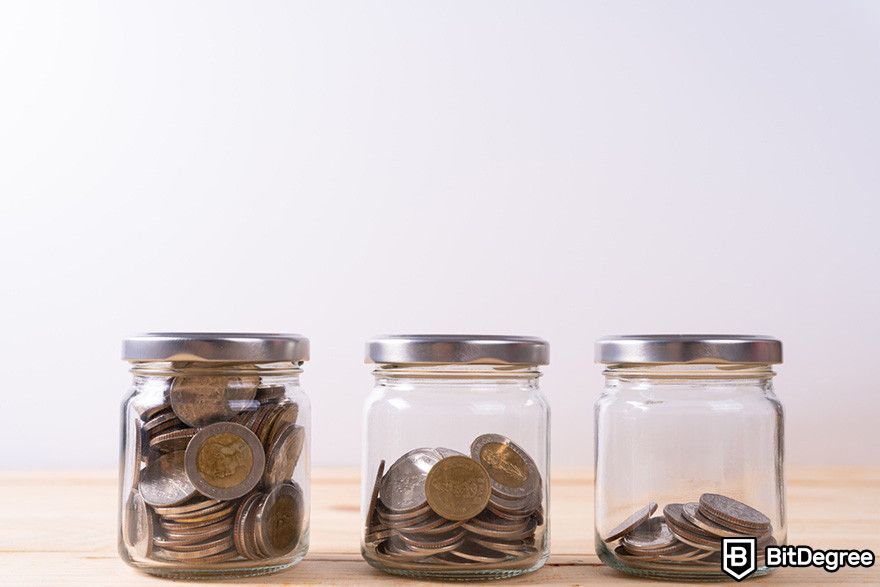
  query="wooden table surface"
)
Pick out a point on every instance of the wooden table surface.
point(59, 529)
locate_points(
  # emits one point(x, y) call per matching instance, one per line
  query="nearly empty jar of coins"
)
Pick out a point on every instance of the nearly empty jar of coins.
point(456, 447)
point(689, 453)
point(214, 470)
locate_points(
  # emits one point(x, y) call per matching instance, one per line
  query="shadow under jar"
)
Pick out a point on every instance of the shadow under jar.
point(214, 464)
point(456, 453)
point(689, 452)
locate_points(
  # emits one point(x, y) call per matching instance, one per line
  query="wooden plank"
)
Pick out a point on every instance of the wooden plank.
point(60, 528)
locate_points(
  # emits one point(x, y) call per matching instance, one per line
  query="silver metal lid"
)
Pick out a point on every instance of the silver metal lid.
point(689, 348)
point(216, 346)
point(444, 349)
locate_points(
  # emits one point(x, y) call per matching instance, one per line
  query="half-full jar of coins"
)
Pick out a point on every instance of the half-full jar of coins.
point(689, 456)
point(214, 470)
point(456, 448)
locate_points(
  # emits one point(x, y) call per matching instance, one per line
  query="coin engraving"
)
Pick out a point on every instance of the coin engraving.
point(403, 487)
point(224, 460)
point(164, 482)
point(457, 488)
point(503, 464)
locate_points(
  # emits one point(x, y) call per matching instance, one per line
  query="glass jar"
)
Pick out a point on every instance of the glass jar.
point(214, 464)
point(689, 451)
point(456, 456)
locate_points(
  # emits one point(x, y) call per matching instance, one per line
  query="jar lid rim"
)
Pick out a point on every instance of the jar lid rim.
point(448, 349)
point(247, 347)
point(689, 348)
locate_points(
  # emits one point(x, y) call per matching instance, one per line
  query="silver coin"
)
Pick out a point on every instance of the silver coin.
point(224, 460)
point(283, 454)
point(691, 512)
point(652, 535)
point(403, 486)
point(674, 516)
point(137, 527)
point(193, 506)
point(512, 472)
point(632, 522)
point(164, 482)
point(203, 399)
point(733, 511)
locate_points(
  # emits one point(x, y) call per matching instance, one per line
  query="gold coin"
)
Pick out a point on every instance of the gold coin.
point(505, 466)
point(279, 520)
point(457, 488)
point(513, 473)
point(224, 460)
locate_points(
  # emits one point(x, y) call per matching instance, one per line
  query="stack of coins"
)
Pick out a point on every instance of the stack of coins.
point(687, 534)
point(212, 473)
point(440, 507)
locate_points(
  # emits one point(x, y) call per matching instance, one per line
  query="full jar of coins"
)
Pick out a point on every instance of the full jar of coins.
point(214, 470)
point(689, 455)
point(456, 445)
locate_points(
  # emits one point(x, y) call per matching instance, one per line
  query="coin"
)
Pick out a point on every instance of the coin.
point(374, 496)
point(192, 506)
point(201, 400)
point(457, 488)
point(173, 440)
point(164, 482)
point(177, 555)
point(632, 522)
point(652, 535)
point(465, 518)
point(270, 393)
point(279, 519)
point(224, 460)
point(403, 487)
point(287, 415)
point(138, 525)
point(696, 531)
point(691, 512)
point(240, 533)
point(158, 420)
point(208, 545)
point(283, 455)
point(512, 471)
point(733, 511)
point(195, 535)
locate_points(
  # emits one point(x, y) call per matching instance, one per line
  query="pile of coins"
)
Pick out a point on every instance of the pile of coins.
point(688, 534)
point(437, 506)
point(212, 473)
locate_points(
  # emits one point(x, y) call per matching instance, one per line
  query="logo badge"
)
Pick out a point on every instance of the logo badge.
point(739, 557)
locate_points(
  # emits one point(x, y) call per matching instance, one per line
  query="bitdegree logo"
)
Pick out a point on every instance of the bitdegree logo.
point(740, 558)
point(830, 560)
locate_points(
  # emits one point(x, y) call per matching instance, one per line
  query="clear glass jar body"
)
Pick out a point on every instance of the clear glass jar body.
point(669, 434)
point(214, 469)
point(457, 409)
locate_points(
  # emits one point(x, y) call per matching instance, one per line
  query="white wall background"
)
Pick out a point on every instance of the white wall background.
point(563, 169)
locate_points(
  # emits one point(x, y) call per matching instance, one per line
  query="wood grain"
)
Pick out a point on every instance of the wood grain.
point(59, 528)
